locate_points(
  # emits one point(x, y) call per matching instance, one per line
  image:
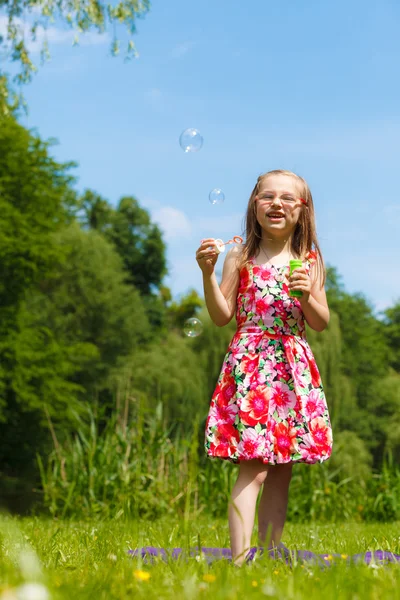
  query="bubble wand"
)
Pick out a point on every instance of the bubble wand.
point(220, 245)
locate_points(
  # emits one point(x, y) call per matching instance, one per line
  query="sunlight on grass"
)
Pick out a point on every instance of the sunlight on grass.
point(90, 560)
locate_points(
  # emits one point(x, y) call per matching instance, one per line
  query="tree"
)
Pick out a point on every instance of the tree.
point(171, 373)
point(35, 198)
point(327, 348)
point(71, 336)
point(35, 201)
point(137, 240)
point(392, 329)
point(79, 327)
point(29, 20)
point(187, 307)
point(96, 212)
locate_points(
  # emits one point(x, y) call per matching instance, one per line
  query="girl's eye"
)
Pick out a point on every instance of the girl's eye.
point(289, 199)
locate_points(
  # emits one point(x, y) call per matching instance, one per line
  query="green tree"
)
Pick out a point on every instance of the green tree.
point(384, 410)
point(137, 240)
point(140, 244)
point(187, 306)
point(327, 348)
point(95, 212)
point(392, 330)
point(71, 337)
point(35, 201)
point(170, 373)
point(88, 314)
point(211, 346)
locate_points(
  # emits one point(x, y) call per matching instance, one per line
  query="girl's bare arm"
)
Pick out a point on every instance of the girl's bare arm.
point(220, 300)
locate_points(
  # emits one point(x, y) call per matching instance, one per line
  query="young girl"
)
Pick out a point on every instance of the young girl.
point(268, 409)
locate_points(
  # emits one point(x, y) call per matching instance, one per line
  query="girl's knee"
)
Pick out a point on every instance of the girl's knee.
point(254, 470)
point(260, 477)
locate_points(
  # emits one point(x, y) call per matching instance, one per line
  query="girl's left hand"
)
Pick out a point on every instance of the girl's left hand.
point(300, 280)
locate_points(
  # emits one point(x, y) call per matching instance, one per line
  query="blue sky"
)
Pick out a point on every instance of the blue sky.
point(309, 86)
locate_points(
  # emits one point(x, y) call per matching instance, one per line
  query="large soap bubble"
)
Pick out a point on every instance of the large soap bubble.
point(193, 327)
point(191, 140)
point(216, 196)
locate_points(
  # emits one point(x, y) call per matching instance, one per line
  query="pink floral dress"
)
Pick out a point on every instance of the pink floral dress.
point(269, 402)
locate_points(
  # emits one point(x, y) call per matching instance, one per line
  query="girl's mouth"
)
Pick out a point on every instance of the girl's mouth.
point(275, 218)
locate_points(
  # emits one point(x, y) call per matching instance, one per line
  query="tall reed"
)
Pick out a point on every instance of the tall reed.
point(137, 467)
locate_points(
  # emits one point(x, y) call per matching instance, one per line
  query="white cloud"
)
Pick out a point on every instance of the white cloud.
point(173, 222)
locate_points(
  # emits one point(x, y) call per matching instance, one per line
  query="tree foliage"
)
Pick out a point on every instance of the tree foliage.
point(29, 20)
point(137, 240)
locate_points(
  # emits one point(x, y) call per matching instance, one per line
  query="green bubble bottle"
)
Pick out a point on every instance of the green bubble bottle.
point(295, 264)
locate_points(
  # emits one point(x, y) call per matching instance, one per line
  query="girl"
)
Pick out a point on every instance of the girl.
point(268, 409)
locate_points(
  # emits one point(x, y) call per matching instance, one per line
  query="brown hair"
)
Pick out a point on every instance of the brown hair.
point(304, 238)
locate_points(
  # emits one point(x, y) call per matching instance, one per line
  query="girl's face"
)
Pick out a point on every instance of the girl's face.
point(278, 204)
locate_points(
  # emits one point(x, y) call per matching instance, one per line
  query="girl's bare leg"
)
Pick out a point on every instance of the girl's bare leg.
point(242, 507)
point(273, 504)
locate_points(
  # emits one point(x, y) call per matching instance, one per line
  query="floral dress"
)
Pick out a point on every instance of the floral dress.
point(269, 402)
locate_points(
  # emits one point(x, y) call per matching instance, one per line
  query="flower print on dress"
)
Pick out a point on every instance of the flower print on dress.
point(225, 440)
point(282, 399)
point(269, 402)
point(221, 414)
point(313, 405)
point(321, 433)
point(252, 444)
point(255, 405)
point(285, 441)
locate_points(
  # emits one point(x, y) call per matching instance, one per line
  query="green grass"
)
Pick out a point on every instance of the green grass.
point(89, 560)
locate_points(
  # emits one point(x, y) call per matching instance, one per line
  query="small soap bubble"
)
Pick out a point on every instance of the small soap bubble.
point(191, 140)
point(193, 327)
point(216, 196)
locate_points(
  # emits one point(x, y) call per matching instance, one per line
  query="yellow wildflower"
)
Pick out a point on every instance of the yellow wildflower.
point(209, 577)
point(344, 555)
point(276, 572)
point(142, 575)
point(254, 583)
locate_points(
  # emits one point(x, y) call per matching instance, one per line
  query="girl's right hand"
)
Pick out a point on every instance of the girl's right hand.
point(207, 256)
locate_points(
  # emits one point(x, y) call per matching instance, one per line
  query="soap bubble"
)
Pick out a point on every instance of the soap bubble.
point(191, 140)
point(193, 327)
point(216, 196)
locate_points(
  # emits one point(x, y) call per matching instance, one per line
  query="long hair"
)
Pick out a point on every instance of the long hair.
point(304, 238)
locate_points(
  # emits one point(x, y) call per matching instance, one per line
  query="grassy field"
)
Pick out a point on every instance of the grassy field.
point(75, 560)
